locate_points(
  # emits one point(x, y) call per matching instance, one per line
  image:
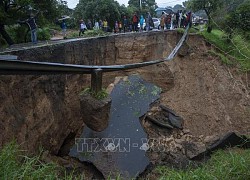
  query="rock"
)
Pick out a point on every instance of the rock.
point(160, 123)
point(184, 50)
point(95, 112)
point(174, 119)
point(110, 88)
point(186, 131)
point(209, 140)
point(193, 149)
point(179, 141)
point(201, 136)
point(117, 79)
point(228, 140)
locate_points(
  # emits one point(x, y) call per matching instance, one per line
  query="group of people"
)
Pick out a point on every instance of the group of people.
point(175, 20)
point(125, 25)
point(167, 21)
point(97, 25)
point(134, 24)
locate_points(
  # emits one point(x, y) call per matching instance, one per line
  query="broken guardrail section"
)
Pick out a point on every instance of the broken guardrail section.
point(10, 65)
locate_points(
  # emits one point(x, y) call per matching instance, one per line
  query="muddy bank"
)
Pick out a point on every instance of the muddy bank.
point(211, 97)
point(38, 109)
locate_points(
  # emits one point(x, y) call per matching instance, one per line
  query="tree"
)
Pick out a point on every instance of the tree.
point(13, 10)
point(209, 6)
point(239, 19)
point(98, 9)
point(10, 11)
point(143, 6)
point(178, 7)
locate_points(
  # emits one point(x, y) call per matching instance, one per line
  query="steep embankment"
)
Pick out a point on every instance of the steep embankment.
point(211, 97)
point(44, 110)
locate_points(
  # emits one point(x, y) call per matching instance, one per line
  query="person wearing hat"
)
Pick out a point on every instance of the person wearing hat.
point(64, 29)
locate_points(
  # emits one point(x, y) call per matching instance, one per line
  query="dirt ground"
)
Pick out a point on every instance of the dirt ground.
point(211, 97)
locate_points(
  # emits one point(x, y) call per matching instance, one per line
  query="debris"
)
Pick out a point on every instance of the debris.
point(160, 123)
point(229, 140)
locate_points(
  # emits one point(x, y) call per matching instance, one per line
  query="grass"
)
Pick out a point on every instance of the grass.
point(223, 58)
point(237, 48)
point(98, 95)
point(224, 165)
point(87, 33)
point(15, 165)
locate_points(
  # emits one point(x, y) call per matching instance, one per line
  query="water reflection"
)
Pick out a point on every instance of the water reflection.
point(121, 148)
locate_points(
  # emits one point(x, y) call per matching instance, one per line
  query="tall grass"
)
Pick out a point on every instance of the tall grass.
point(224, 165)
point(236, 47)
point(15, 165)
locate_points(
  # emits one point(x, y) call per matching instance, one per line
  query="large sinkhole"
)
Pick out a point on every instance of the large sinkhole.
point(118, 150)
point(179, 109)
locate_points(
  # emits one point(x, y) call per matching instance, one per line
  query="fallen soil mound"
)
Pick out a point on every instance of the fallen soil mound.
point(211, 97)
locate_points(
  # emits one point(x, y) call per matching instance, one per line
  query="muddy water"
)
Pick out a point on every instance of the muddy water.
point(120, 149)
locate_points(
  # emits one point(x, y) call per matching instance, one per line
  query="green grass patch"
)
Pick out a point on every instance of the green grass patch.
point(224, 165)
point(99, 95)
point(88, 33)
point(237, 47)
point(15, 165)
point(223, 58)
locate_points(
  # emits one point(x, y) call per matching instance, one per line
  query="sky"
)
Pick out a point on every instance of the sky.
point(161, 3)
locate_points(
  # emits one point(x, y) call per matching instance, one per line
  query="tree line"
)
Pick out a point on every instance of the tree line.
point(232, 15)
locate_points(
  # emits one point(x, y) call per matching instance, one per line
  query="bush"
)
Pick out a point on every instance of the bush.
point(238, 20)
point(17, 33)
point(43, 34)
point(3, 43)
point(95, 32)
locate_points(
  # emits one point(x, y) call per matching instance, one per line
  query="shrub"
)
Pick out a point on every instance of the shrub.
point(17, 33)
point(43, 34)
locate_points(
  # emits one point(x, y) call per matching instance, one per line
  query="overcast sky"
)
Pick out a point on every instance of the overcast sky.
point(161, 3)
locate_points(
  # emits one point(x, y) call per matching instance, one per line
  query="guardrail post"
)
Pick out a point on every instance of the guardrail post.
point(96, 80)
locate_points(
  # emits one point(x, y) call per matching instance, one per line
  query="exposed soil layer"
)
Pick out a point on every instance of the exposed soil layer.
point(211, 97)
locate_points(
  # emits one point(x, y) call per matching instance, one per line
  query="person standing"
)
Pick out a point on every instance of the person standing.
point(116, 27)
point(31, 22)
point(33, 28)
point(120, 26)
point(96, 25)
point(64, 29)
point(105, 25)
point(177, 15)
point(149, 21)
point(83, 27)
point(162, 22)
point(125, 23)
point(168, 21)
point(135, 21)
point(142, 20)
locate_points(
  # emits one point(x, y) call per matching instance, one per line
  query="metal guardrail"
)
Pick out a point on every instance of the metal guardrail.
point(11, 66)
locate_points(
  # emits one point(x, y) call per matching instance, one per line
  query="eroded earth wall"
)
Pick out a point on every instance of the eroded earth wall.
point(43, 110)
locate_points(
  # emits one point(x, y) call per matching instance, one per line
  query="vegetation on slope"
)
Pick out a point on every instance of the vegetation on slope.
point(15, 165)
point(230, 164)
point(236, 48)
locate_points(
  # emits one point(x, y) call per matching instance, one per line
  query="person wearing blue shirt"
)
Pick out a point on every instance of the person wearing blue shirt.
point(64, 29)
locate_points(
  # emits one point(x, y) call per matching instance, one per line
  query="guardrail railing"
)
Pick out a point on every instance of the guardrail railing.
point(9, 65)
